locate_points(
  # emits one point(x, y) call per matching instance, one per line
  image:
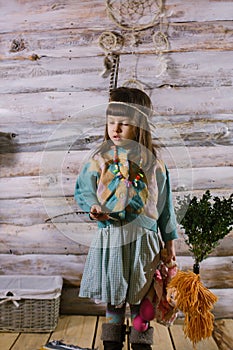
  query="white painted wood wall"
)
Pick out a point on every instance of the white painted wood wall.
point(53, 98)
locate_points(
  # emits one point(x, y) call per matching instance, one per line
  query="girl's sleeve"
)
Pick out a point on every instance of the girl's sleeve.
point(86, 187)
point(167, 219)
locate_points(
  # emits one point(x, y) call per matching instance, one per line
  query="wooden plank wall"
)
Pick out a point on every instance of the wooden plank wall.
point(53, 98)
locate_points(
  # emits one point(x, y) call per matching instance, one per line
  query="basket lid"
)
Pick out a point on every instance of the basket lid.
point(30, 286)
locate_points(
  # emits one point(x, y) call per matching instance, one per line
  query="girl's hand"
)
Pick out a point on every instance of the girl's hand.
point(97, 214)
point(171, 254)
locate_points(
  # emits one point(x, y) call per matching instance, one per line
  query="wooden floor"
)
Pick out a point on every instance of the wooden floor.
point(85, 331)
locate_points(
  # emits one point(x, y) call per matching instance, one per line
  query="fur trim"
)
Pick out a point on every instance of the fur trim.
point(113, 332)
point(136, 337)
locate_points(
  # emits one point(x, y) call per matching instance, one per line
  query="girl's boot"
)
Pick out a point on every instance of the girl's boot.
point(113, 336)
point(141, 340)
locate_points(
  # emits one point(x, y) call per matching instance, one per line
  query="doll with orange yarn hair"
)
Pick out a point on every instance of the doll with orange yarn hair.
point(158, 303)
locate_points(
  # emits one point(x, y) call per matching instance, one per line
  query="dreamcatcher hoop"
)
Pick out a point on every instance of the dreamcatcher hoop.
point(134, 15)
point(110, 41)
point(160, 41)
point(133, 83)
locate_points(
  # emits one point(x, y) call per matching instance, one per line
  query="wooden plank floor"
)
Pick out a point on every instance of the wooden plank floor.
point(85, 331)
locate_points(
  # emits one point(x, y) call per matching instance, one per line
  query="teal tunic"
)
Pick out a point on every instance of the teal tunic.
point(125, 252)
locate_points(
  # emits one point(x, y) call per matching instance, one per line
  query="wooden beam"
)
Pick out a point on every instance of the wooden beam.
point(72, 304)
point(215, 272)
point(29, 163)
point(70, 238)
point(83, 73)
point(58, 184)
point(38, 17)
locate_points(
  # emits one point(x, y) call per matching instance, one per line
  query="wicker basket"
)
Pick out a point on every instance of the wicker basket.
point(29, 303)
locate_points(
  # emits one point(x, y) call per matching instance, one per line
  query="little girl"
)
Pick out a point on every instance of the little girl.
point(126, 189)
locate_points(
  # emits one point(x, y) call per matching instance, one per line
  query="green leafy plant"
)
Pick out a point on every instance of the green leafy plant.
point(205, 221)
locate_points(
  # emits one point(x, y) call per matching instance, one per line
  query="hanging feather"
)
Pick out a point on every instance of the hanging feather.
point(107, 67)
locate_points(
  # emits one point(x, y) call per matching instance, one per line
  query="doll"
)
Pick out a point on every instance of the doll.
point(158, 302)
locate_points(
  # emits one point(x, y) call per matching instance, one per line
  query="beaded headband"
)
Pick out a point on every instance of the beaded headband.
point(133, 106)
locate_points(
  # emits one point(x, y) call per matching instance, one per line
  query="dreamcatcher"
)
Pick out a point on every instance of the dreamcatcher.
point(136, 19)
point(135, 14)
point(111, 43)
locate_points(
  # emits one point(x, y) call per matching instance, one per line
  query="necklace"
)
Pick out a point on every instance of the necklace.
point(119, 174)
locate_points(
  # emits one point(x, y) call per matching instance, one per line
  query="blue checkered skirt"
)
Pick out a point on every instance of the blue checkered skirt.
point(120, 264)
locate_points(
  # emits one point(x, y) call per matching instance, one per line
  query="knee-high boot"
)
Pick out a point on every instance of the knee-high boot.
point(141, 340)
point(113, 336)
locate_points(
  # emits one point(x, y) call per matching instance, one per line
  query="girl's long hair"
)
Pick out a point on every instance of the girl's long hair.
point(135, 104)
